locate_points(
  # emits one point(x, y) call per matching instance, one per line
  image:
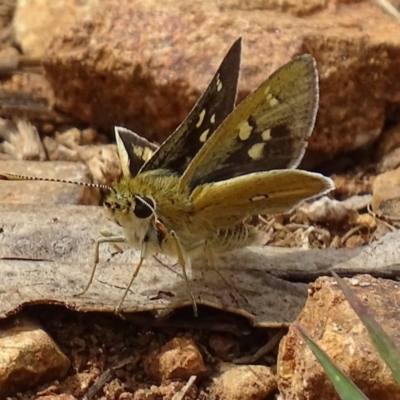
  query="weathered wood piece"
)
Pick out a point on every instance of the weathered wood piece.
point(46, 255)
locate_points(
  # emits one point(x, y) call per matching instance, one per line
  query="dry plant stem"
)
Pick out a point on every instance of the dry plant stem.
point(13, 64)
point(106, 377)
point(381, 220)
point(350, 233)
point(182, 393)
point(387, 224)
point(268, 347)
point(389, 8)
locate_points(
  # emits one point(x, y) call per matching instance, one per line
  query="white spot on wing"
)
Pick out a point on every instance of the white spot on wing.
point(260, 197)
point(266, 135)
point(138, 152)
point(212, 119)
point(203, 136)
point(147, 153)
point(201, 118)
point(273, 101)
point(256, 151)
point(244, 130)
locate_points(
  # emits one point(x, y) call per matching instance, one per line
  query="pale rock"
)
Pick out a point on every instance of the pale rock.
point(243, 382)
point(36, 22)
point(29, 356)
point(331, 322)
point(180, 358)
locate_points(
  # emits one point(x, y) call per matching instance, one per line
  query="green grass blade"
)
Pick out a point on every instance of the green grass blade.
point(346, 389)
point(380, 339)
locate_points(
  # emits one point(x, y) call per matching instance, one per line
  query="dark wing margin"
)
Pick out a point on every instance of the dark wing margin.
point(216, 103)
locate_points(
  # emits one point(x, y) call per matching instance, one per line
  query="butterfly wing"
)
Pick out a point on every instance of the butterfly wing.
point(267, 131)
point(133, 150)
point(272, 192)
point(213, 107)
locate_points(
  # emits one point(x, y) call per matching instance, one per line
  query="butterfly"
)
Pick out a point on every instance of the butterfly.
point(193, 194)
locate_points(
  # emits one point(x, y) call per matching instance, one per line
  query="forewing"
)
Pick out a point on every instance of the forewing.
point(133, 150)
point(213, 107)
point(275, 192)
point(267, 131)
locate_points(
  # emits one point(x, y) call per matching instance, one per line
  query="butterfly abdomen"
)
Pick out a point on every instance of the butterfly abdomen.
point(229, 239)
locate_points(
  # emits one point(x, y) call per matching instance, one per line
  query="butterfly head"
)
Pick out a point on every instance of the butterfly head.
point(137, 215)
point(130, 209)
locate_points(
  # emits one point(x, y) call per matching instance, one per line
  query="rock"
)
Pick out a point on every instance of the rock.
point(53, 17)
point(178, 359)
point(390, 161)
point(388, 151)
point(50, 18)
point(143, 66)
point(224, 347)
point(243, 382)
point(329, 319)
point(386, 194)
point(167, 390)
point(327, 210)
point(28, 356)
point(46, 193)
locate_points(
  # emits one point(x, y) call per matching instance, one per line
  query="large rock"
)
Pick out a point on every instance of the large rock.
point(143, 65)
point(332, 323)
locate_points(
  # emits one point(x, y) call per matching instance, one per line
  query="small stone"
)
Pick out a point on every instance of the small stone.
point(224, 347)
point(29, 357)
point(178, 359)
point(244, 382)
point(386, 187)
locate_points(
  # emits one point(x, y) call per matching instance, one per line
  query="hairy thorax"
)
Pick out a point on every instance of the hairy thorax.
point(175, 211)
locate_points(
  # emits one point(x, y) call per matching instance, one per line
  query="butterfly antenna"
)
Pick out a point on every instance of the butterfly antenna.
point(13, 177)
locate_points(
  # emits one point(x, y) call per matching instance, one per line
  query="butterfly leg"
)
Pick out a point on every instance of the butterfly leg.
point(182, 262)
point(211, 262)
point(165, 265)
point(107, 239)
point(107, 233)
point(134, 275)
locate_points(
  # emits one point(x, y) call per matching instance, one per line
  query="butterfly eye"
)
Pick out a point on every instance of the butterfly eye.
point(144, 207)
